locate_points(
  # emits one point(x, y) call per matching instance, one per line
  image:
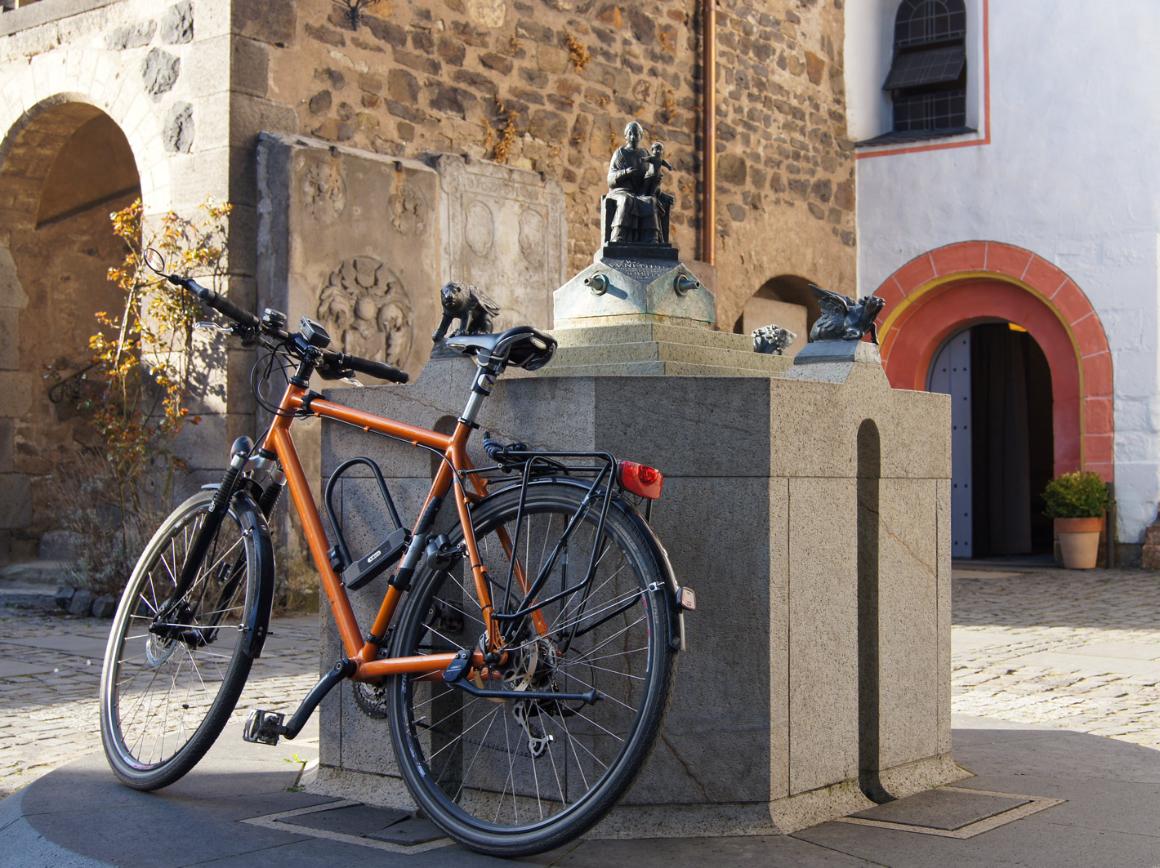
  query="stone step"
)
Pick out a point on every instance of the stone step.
point(663, 351)
point(663, 332)
point(655, 368)
point(37, 574)
point(27, 597)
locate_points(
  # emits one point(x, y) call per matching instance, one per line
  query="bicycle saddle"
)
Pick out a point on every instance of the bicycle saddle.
point(522, 346)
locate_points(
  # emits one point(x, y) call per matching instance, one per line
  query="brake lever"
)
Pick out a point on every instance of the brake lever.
point(351, 381)
point(206, 325)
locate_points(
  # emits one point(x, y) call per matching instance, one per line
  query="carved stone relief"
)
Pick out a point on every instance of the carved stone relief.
point(409, 211)
point(504, 232)
point(532, 237)
point(368, 311)
point(323, 188)
point(479, 228)
point(353, 239)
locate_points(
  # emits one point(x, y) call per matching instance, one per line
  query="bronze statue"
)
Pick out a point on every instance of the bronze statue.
point(652, 175)
point(772, 339)
point(474, 310)
point(639, 210)
point(844, 318)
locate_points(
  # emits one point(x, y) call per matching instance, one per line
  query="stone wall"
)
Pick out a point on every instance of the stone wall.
point(547, 85)
point(62, 293)
point(540, 85)
point(97, 101)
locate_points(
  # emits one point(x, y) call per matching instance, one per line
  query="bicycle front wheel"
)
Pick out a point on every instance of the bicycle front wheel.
point(175, 665)
point(513, 777)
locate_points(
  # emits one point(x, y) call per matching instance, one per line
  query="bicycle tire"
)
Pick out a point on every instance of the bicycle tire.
point(417, 742)
point(235, 581)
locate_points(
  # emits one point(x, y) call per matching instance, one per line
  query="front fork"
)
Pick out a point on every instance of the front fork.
point(199, 548)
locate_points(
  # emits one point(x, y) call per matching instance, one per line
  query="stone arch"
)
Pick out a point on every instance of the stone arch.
point(950, 288)
point(785, 300)
point(95, 79)
point(64, 165)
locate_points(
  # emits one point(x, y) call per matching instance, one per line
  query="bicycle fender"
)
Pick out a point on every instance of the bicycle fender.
point(676, 613)
point(254, 525)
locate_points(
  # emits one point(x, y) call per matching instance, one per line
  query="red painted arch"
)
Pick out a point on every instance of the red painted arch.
point(951, 288)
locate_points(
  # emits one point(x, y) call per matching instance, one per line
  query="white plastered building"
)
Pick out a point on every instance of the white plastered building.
point(1009, 212)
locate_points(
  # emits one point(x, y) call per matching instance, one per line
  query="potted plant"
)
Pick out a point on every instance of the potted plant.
point(1077, 501)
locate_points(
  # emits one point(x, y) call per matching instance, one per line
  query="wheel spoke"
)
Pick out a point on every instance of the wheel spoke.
point(552, 755)
point(161, 684)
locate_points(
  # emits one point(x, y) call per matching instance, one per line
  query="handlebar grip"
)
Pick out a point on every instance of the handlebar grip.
point(216, 301)
point(373, 369)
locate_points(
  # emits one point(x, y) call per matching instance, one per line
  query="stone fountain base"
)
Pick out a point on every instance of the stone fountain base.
point(809, 509)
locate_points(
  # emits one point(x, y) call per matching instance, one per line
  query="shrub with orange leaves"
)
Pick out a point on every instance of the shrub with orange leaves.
point(143, 358)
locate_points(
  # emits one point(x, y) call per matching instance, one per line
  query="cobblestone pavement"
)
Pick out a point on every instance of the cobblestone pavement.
point(1079, 651)
point(50, 669)
point(1072, 650)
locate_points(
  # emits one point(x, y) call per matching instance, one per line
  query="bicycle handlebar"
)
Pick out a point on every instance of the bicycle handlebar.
point(330, 363)
point(342, 363)
point(213, 299)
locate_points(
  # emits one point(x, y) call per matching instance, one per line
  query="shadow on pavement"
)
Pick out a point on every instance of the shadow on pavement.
point(1111, 817)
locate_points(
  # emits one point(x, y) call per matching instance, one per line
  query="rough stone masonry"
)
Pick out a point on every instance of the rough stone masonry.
point(546, 85)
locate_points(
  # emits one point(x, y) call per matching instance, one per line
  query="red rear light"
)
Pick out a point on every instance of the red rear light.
point(641, 479)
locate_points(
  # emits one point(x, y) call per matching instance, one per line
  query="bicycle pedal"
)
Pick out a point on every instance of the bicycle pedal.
point(263, 727)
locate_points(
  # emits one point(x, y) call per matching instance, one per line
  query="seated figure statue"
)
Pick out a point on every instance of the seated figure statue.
point(633, 180)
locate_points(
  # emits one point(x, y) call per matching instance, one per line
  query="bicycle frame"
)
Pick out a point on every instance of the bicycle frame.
point(364, 651)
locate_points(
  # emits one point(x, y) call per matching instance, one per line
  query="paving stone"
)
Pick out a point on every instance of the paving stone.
point(50, 666)
point(945, 808)
point(80, 603)
point(12, 668)
point(351, 820)
point(1060, 648)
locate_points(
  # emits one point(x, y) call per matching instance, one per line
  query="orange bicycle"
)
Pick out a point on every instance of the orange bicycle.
point(526, 676)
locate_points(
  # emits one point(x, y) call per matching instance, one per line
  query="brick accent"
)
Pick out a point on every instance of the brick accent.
point(994, 284)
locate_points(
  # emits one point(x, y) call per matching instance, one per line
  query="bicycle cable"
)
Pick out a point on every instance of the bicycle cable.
point(260, 378)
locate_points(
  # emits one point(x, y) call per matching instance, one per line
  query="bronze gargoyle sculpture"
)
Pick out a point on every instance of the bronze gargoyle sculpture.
point(844, 319)
point(772, 339)
point(474, 310)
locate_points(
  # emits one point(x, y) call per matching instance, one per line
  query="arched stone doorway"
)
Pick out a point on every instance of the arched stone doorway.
point(64, 166)
point(786, 300)
point(956, 288)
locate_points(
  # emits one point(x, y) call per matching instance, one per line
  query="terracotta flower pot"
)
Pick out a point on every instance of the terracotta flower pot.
point(1079, 541)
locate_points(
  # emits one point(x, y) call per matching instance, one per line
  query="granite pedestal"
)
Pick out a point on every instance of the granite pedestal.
point(809, 510)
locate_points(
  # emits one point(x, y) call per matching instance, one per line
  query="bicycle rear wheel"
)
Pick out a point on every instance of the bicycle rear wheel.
point(169, 683)
point(516, 777)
